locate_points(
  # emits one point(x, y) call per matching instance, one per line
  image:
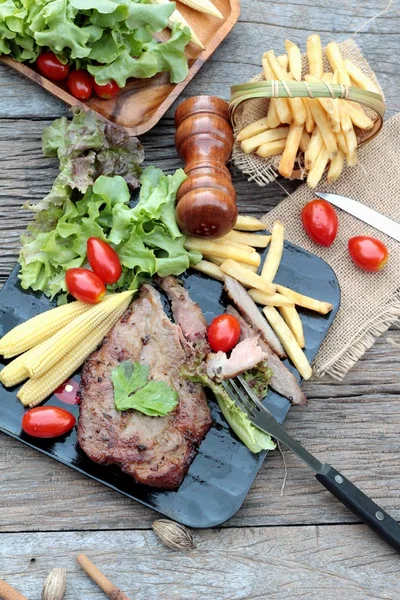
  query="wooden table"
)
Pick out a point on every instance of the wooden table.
point(302, 544)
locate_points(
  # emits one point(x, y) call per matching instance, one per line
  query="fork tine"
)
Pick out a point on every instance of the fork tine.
point(250, 392)
point(243, 397)
point(236, 395)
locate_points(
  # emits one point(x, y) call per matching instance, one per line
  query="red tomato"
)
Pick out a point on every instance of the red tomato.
point(51, 67)
point(85, 285)
point(320, 222)
point(104, 260)
point(108, 90)
point(223, 333)
point(47, 421)
point(368, 253)
point(80, 84)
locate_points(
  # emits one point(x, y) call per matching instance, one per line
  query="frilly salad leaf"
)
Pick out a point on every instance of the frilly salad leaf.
point(133, 389)
point(87, 148)
point(145, 237)
point(255, 439)
point(113, 39)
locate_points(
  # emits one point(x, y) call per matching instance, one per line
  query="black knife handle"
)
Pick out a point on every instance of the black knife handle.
point(363, 507)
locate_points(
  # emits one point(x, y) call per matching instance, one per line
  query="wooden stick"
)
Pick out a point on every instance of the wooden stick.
point(9, 593)
point(98, 577)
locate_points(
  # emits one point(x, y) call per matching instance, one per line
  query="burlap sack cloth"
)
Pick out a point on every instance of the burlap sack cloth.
point(370, 302)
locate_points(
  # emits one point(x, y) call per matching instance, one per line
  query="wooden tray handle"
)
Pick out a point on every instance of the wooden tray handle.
point(206, 201)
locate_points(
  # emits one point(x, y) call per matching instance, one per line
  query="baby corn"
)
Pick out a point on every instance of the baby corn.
point(204, 6)
point(177, 17)
point(38, 389)
point(72, 334)
point(39, 328)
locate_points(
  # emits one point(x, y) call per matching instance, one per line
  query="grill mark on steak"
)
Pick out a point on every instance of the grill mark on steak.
point(156, 451)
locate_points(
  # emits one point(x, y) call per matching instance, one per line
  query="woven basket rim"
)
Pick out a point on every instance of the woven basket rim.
point(302, 89)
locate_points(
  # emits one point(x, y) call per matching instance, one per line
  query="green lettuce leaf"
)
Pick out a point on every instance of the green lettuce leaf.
point(255, 439)
point(112, 39)
point(134, 390)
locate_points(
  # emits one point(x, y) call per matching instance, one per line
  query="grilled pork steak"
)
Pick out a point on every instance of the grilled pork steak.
point(156, 451)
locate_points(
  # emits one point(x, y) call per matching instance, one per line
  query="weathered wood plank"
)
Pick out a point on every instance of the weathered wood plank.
point(323, 562)
point(261, 26)
point(353, 425)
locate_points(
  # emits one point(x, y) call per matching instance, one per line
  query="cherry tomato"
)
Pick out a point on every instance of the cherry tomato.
point(108, 90)
point(80, 84)
point(223, 333)
point(320, 222)
point(104, 260)
point(47, 421)
point(368, 253)
point(85, 285)
point(50, 66)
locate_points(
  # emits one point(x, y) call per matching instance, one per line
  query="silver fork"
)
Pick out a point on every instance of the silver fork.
point(351, 496)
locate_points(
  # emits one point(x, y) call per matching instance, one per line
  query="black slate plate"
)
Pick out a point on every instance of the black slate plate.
point(224, 469)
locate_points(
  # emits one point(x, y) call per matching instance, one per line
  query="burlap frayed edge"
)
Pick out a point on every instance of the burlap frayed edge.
point(341, 363)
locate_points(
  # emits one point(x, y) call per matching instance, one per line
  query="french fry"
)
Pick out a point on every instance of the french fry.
point(316, 172)
point(296, 105)
point(218, 261)
point(336, 167)
point(351, 141)
point(346, 124)
point(335, 117)
point(288, 341)
point(343, 76)
point(280, 104)
point(215, 248)
point(273, 119)
point(250, 239)
point(251, 144)
point(318, 306)
point(334, 56)
point(288, 158)
point(327, 134)
point(341, 140)
point(283, 61)
point(246, 277)
point(246, 223)
point(331, 107)
point(294, 56)
point(359, 77)
point(313, 149)
point(273, 259)
point(304, 141)
point(269, 299)
point(210, 269)
point(243, 247)
point(359, 118)
point(314, 55)
point(310, 123)
point(253, 129)
point(271, 148)
point(293, 321)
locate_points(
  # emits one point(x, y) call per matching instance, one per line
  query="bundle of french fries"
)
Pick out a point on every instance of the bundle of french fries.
point(320, 128)
point(235, 255)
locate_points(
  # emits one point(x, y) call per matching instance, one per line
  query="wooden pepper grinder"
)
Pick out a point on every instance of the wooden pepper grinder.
point(206, 201)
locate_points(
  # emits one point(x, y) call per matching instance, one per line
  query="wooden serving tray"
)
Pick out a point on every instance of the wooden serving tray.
point(142, 103)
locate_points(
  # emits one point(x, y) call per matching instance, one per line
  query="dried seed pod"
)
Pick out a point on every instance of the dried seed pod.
point(173, 534)
point(55, 585)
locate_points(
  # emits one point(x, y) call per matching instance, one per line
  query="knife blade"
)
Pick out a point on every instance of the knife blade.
point(364, 213)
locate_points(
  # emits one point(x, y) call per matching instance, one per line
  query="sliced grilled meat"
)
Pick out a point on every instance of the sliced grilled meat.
point(252, 315)
point(245, 356)
point(282, 380)
point(187, 314)
point(156, 451)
